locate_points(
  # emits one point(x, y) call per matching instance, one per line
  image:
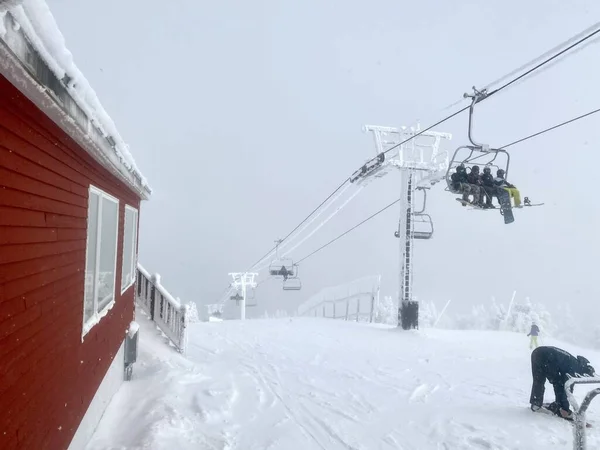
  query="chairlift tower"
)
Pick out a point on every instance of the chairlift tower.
point(421, 165)
point(242, 281)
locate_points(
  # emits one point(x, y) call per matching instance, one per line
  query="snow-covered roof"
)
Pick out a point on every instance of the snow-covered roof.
point(33, 56)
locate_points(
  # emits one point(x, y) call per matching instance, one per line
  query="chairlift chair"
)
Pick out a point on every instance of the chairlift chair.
point(282, 267)
point(292, 284)
point(251, 299)
point(425, 225)
point(476, 154)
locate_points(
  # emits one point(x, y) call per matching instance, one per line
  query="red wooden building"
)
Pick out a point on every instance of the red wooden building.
point(69, 206)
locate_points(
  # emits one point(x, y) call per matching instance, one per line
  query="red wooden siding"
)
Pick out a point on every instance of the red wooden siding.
point(48, 377)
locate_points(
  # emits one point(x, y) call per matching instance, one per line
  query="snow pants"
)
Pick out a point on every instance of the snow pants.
point(533, 343)
point(467, 189)
point(539, 368)
point(515, 195)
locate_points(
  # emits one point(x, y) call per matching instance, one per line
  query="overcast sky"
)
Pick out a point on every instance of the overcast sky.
point(244, 116)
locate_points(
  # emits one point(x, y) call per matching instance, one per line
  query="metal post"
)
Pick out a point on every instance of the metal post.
point(407, 308)
point(241, 280)
point(579, 412)
point(347, 308)
point(243, 303)
point(357, 307)
point(372, 308)
point(334, 314)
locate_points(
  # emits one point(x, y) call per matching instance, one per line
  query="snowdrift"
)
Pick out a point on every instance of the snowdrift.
point(307, 383)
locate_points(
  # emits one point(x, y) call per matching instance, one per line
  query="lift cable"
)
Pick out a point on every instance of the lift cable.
point(504, 86)
point(396, 201)
point(351, 229)
point(552, 128)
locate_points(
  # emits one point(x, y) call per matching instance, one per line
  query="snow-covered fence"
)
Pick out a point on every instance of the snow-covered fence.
point(353, 301)
point(167, 312)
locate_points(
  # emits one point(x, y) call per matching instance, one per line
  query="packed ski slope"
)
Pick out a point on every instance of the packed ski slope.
point(323, 384)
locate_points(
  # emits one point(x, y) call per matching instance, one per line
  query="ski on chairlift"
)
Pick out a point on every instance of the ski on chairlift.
point(464, 173)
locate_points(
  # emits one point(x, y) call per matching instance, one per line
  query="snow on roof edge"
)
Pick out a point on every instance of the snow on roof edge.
point(37, 23)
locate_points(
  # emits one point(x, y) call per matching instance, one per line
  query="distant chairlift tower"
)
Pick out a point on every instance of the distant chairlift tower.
point(421, 165)
point(242, 281)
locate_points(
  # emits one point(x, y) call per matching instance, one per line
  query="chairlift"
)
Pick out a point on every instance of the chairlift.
point(423, 226)
point(477, 154)
point(251, 299)
point(237, 297)
point(282, 267)
point(292, 283)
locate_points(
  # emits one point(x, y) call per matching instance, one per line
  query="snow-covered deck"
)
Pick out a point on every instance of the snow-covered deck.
point(34, 57)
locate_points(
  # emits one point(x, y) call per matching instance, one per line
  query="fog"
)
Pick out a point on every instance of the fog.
point(244, 116)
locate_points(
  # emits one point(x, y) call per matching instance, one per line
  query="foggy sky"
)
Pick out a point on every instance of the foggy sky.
point(244, 116)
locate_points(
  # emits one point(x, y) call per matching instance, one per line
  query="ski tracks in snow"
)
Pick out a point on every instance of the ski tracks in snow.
point(307, 384)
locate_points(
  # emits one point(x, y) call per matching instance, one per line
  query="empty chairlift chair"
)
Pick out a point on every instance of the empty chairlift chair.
point(292, 284)
point(423, 226)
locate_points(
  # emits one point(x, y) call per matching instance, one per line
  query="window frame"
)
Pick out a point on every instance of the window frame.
point(98, 315)
point(133, 248)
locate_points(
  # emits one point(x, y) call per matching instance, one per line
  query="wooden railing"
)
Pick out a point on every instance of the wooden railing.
point(167, 312)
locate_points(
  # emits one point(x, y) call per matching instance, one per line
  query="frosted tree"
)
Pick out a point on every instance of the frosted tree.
point(427, 314)
point(386, 311)
point(193, 316)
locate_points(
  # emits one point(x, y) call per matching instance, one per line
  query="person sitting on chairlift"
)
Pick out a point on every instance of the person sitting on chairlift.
point(474, 179)
point(513, 192)
point(483, 183)
point(460, 184)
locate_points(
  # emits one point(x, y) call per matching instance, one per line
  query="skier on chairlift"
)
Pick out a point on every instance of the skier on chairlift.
point(460, 184)
point(492, 190)
point(557, 366)
point(475, 179)
point(513, 192)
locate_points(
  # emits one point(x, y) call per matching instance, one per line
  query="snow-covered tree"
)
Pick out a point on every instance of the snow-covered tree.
point(193, 316)
point(386, 311)
point(427, 314)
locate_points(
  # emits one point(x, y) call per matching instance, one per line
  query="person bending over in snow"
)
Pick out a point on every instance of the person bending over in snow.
point(557, 366)
point(534, 333)
point(513, 192)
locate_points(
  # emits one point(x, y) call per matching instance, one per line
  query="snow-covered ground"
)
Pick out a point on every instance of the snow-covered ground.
point(323, 384)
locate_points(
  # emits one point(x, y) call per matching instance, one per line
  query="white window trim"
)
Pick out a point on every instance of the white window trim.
point(133, 247)
point(98, 315)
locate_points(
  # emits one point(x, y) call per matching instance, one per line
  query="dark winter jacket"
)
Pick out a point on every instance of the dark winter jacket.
point(535, 331)
point(559, 365)
point(474, 178)
point(488, 180)
point(457, 178)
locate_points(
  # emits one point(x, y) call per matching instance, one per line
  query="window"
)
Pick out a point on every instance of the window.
point(129, 245)
point(101, 257)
